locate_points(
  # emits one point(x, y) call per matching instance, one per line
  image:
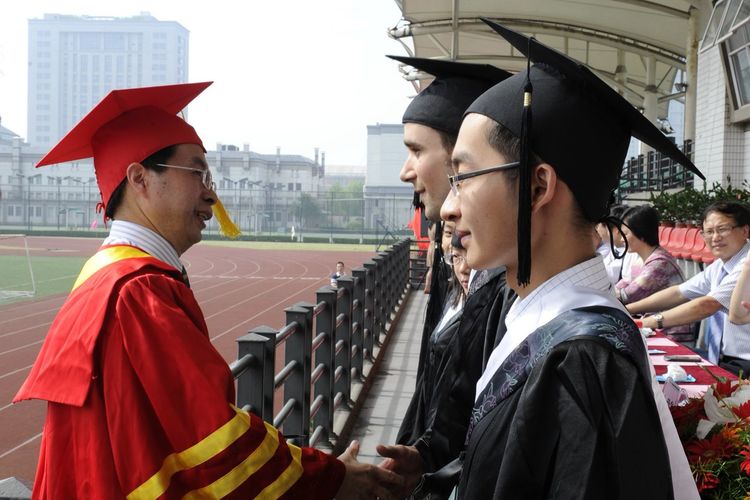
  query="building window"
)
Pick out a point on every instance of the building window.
point(299, 186)
point(729, 27)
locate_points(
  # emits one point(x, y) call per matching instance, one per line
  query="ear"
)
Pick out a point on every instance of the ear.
point(544, 185)
point(136, 176)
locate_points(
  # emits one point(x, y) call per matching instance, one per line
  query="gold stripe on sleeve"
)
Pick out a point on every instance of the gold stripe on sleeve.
point(287, 478)
point(211, 445)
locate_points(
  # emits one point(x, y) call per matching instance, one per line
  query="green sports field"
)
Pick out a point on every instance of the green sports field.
point(52, 274)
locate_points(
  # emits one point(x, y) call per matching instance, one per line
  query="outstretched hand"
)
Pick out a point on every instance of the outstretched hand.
point(404, 461)
point(367, 481)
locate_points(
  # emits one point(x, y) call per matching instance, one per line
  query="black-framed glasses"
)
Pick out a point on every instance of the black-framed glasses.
point(206, 177)
point(455, 180)
point(453, 259)
point(720, 230)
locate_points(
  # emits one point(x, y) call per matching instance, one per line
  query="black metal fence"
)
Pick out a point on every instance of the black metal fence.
point(325, 346)
point(655, 172)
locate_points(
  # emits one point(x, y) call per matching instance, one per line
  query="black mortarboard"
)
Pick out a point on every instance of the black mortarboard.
point(581, 126)
point(456, 85)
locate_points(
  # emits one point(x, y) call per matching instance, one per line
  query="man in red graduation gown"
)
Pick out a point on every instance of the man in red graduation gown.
point(140, 403)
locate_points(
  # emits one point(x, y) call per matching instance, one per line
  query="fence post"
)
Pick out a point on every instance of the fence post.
point(343, 383)
point(370, 327)
point(298, 348)
point(358, 319)
point(379, 290)
point(325, 322)
point(255, 386)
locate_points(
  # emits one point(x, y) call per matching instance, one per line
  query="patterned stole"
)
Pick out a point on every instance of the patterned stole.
point(606, 323)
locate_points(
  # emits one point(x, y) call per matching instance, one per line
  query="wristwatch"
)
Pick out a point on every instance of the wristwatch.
point(659, 318)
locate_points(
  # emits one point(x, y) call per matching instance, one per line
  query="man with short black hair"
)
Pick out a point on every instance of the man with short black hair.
point(140, 403)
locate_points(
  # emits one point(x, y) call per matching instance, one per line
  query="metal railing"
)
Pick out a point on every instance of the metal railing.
point(325, 346)
point(655, 172)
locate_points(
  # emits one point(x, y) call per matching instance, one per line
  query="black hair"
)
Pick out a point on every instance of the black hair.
point(643, 222)
point(737, 211)
point(507, 144)
point(150, 163)
point(339, 262)
point(448, 140)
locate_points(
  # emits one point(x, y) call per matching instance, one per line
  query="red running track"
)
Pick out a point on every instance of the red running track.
point(237, 289)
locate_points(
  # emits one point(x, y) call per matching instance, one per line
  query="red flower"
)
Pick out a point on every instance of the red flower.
point(745, 465)
point(714, 448)
point(723, 388)
point(742, 411)
point(705, 481)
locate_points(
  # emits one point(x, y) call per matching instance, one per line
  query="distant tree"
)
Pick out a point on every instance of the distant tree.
point(307, 210)
point(347, 201)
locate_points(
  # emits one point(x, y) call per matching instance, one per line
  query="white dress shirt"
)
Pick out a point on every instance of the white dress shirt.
point(718, 281)
point(129, 233)
point(585, 285)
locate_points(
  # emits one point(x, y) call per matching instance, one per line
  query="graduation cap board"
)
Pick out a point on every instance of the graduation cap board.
point(128, 126)
point(441, 104)
point(581, 127)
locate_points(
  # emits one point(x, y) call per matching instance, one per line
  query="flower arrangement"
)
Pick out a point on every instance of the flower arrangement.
point(715, 432)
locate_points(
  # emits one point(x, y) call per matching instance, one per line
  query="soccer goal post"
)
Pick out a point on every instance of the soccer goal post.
point(16, 273)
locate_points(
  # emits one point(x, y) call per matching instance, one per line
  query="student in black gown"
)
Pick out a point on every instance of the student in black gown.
point(431, 123)
point(566, 406)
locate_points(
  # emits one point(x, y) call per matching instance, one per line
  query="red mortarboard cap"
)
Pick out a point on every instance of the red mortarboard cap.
point(128, 126)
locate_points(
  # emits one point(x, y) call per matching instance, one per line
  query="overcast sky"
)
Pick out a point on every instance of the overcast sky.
point(290, 73)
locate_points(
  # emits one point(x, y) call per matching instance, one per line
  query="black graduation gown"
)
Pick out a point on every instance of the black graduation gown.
point(421, 410)
point(570, 420)
point(453, 393)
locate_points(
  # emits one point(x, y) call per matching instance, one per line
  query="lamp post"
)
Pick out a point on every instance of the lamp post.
point(21, 177)
point(252, 184)
point(58, 179)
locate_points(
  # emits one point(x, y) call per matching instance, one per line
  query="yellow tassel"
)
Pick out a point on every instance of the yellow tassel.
point(226, 226)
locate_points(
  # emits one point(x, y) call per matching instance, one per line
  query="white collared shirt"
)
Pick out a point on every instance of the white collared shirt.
point(129, 233)
point(712, 282)
point(584, 285)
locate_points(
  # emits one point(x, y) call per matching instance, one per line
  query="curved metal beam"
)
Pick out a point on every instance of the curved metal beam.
point(601, 37)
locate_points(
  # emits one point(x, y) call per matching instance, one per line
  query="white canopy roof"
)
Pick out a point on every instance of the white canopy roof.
point(618, 39)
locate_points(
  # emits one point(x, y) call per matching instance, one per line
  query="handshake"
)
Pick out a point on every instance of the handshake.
point(394, 478)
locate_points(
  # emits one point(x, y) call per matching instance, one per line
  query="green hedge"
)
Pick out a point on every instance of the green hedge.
point(688, 205)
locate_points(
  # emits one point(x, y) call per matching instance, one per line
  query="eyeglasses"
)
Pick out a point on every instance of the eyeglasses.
point(453, 259)
point(206, 178)
point(455, 180)
point(720, 230)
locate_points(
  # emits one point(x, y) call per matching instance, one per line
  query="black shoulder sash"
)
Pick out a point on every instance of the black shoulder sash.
point(606, 323)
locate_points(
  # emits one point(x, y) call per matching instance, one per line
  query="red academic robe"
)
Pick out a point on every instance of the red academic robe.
point(140, 402)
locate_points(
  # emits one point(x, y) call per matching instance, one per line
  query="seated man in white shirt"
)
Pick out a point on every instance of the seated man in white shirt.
point(707, 295)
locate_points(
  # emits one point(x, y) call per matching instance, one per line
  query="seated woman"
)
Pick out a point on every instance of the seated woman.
point(659, 271)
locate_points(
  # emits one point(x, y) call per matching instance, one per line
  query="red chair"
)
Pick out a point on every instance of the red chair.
point(664, 233)
point(701, 254)
point(691, 237)
point(676, 240)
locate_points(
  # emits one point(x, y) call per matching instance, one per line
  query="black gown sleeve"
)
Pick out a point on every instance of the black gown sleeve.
point(584, 426)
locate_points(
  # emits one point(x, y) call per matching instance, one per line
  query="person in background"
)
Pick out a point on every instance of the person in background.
point(424, 403)
point(611, 246)
point(339, 273)
point(660, 269)
point(707, 295)
point(140, 403)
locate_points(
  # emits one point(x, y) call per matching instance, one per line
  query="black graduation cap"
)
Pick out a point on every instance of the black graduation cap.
point(456, 85)
point(581, 126)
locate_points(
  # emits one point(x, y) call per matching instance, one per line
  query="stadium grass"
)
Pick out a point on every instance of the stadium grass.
point(53, 275)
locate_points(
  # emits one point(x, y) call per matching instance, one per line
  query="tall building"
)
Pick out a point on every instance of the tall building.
point(75, 60)
point(388, 201)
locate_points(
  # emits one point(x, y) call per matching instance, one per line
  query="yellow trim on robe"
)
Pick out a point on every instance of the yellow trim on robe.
point(211, 445)
point(105, 257)
point(287, 478)
point(242, 472)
